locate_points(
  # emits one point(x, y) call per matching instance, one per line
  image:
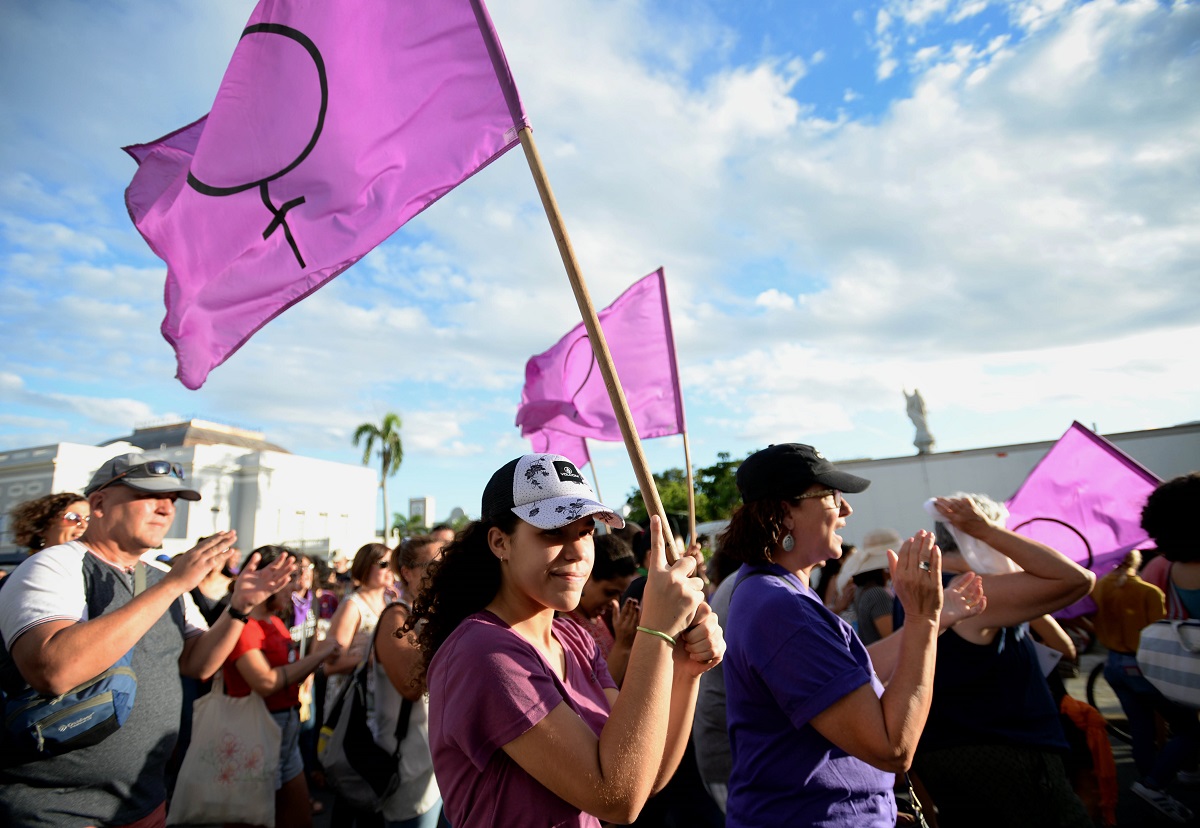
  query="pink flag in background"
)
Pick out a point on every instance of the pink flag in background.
point(548, 441)
point(565, 393)
point(335, 124)
point(1084, 499)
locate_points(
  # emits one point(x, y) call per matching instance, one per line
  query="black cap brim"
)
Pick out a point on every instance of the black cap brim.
point(843, 481)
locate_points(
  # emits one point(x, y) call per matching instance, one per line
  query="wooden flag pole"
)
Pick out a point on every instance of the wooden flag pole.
point(595, 474)
point(691, 489)
point(591, 322)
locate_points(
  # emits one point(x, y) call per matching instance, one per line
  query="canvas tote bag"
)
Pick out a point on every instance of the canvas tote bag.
point(228, 773)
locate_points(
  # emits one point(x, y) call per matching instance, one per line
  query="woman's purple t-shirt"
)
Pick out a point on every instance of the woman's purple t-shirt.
point(788, 658)
point(487, 686)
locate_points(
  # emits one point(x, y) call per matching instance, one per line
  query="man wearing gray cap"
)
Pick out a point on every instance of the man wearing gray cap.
point(72, 611)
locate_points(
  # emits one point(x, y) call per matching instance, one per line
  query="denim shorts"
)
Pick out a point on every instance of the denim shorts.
point(291, 764)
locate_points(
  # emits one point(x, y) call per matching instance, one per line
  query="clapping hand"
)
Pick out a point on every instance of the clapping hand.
point(254, 585)
point(963, 598)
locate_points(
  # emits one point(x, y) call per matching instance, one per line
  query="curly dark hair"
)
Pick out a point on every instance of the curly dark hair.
point(31, 519)
point(1169, 517)
point(462, 582)
point(753, 531)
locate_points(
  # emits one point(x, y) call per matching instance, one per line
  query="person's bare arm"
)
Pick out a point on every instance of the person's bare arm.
point(884, 731)
point(56, 656)
point(1049, 582)
point(266, 680)
point(884, 625)
point(625, 622)
point(612, 777)
point(342, 629)
point(399, 655)
point(1053, 636)
point(700, 648)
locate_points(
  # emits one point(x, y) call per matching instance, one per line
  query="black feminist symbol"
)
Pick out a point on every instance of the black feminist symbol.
point(1087, 546)
point(279, 214)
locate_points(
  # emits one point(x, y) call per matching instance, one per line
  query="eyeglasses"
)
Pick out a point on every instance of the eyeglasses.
point(76, 518)
point(151, 468)
point(838, 500)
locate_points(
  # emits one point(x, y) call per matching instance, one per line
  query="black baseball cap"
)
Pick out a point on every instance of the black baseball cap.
point(785, 470)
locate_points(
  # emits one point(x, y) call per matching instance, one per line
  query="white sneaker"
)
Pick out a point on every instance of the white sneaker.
point(1166, 805)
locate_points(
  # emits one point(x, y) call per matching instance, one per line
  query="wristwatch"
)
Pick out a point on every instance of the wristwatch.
point(238, 616)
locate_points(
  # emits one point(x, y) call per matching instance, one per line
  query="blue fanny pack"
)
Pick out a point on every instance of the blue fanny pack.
point(83, 716)
point(37, 725)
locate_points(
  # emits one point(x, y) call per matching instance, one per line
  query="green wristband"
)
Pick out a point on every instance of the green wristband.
point(657, 634)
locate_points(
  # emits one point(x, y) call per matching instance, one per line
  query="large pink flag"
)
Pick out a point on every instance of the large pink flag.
point(1085, 499)
point(335, 124)
point(565, 393)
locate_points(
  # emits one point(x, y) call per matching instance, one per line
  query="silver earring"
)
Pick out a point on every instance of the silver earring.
point(789, 543)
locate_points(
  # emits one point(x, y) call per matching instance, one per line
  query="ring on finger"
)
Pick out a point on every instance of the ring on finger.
point(925, 566)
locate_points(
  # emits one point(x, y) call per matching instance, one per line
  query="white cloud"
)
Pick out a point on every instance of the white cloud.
point(1017, 234)
point(774, 299)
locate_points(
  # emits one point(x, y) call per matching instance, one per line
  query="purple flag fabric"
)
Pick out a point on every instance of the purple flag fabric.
point(335, 124)
point(1085, 499)
point(565, 393)
point(548, 441)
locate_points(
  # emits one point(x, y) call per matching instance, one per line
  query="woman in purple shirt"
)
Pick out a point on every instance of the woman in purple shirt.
point(526, 726)
point(816, 738)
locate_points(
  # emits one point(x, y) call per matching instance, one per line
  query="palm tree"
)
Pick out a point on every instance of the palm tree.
point(390, 453)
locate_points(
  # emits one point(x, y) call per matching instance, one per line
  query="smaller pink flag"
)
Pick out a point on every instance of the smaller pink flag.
point(335, 123)
point(548, 441)
point(1085, 499)
point(564, 391)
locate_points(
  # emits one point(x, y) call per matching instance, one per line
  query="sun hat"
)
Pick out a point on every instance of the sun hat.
point(871, 554)
point(545, 490)
point(785, 470)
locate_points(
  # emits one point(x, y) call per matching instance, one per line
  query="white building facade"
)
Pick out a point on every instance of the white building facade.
point(267, 494)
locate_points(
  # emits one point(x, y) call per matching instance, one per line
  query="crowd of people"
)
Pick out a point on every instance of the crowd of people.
point(549, 665)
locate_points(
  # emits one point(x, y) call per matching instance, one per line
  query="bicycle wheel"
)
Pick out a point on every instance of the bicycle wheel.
point(1118, 728)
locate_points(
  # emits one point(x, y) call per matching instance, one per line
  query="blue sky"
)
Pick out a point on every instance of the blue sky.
point(995, 202)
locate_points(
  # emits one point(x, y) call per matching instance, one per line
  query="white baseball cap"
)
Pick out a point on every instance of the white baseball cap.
point(545, 490)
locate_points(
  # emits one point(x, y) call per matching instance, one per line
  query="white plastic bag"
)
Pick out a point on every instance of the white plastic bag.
point(982, 558)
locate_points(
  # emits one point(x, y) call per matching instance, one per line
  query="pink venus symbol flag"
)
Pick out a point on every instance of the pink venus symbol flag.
point(565, 394)
point(335, 124)
point(1084, 499)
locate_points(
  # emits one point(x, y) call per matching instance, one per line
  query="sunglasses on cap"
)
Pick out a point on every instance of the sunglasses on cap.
point(151, 468)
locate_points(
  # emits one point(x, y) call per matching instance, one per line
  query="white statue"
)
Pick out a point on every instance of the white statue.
point(916, 412)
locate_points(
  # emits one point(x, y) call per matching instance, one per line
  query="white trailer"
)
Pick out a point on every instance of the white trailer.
point(900, 485)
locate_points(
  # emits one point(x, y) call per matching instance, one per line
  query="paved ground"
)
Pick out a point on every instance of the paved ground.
point(1132, 812)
